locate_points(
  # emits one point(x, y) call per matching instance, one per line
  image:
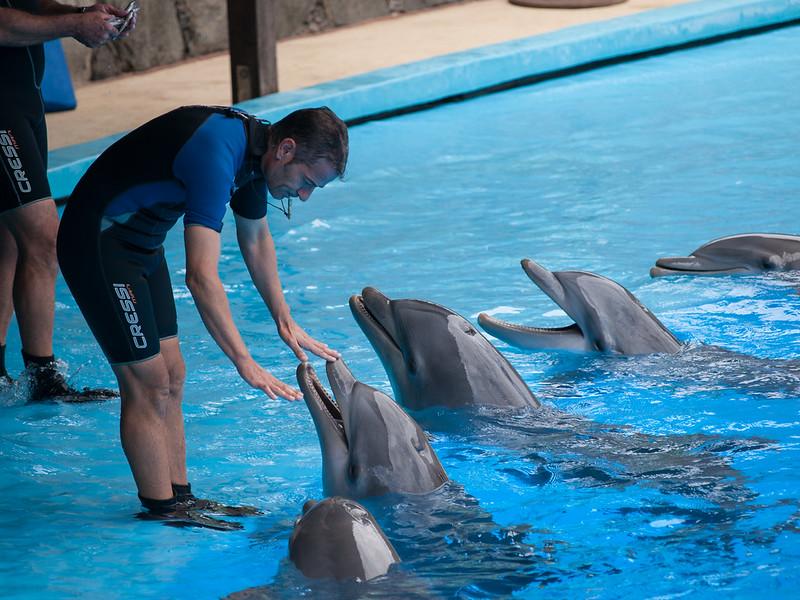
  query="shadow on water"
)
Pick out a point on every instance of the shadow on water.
point(696, 369)
point(556, 445)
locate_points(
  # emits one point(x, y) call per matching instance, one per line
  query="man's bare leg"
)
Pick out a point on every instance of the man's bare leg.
point(34, 228)
point(145, 393)
point(176, 438)
point(8, 267)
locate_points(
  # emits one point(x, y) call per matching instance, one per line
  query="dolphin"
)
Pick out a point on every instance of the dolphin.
point(339, 539)
point(608, 318)
point(370, 446)
point(434, 356)
point(743, 253)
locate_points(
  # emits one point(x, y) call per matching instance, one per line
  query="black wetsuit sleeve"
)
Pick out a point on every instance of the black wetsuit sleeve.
point(250, 200)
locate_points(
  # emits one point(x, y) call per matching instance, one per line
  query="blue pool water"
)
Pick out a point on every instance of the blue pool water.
point(604, 171)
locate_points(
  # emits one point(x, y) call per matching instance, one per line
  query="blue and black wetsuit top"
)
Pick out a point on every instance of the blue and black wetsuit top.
point(187, 163)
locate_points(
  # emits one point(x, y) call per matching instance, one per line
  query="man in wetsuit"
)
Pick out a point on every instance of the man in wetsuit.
point(28, 218)
point(187, 163)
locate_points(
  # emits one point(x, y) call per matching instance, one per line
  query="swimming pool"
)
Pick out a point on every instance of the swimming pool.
point(603, 171)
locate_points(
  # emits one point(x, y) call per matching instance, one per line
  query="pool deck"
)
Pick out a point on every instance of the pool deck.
point(122, 103)
point(396, 82)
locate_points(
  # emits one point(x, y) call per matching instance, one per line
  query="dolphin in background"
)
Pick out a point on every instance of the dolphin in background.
point(608, 318)
point(743, 253)
point(435, 357)
point(370, 446)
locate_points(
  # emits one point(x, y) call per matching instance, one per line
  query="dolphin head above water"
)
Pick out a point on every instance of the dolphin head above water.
point(608, 318)
point(435, 357)
point(370, 446)
point(743, 253)
point(339, 539)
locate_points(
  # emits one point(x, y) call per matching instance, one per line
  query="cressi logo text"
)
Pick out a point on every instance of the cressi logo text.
point(11, 155)
point(128, 303)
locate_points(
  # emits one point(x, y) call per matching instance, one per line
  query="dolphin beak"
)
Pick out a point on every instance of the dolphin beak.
point(373, 311)
point(324, 410)
point(545, 280)
point(690, 265)
point(341, 381)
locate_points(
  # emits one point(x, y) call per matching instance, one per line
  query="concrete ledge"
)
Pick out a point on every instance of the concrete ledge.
point(425, 82)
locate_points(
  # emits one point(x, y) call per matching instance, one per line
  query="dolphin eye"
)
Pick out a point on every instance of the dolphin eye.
point(411, 365)
point(469, 330)
point(352, 471)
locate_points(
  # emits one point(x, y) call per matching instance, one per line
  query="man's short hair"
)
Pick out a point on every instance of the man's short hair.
point(319, 134)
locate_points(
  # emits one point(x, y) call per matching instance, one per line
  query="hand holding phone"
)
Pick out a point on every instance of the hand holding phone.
point(122, 23)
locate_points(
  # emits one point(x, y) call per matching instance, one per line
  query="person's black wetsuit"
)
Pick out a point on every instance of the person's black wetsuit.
point(187, 163)
point(23, 132)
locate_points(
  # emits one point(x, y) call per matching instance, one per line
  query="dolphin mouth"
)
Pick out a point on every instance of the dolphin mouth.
point(488, 322)
point(371, 310)
point(548, 282)
point(689, 265)
point(319, 401)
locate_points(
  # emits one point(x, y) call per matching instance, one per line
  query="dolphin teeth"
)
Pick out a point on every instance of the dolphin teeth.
point(327, 402)
point(529, 328)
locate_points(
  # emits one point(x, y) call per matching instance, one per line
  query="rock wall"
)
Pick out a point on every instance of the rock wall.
point(171, 30)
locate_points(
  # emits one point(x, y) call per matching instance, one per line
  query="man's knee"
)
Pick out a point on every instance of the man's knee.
point(177, 377)
point(34, 229)
point(148, 393)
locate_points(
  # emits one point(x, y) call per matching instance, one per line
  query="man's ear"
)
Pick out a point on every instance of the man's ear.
point(286, 149)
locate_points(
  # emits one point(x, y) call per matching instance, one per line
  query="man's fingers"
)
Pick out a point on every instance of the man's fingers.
point(322, 350)
point(297, 349)
point(276, 387)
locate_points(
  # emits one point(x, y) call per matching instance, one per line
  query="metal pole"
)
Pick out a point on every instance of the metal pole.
point(251, 35)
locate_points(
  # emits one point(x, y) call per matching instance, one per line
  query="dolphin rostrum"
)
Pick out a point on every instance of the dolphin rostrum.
point(434, 356)
point(370, 446)
point(339, 539)
point(743, 253)
point(608, 318)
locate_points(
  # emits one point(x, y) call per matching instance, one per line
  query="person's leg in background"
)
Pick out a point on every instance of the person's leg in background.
point(8, 267)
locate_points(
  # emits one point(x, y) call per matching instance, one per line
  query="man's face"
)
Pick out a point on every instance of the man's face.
point(289, 178)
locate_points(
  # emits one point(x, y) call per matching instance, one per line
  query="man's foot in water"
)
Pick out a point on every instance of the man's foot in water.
point(189, 518)
point(186, 500)
point(47, 383)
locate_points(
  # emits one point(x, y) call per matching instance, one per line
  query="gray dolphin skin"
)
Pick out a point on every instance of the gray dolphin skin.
point(370, 446)
point(608, 318)
point(435, 357)
point(743, 253)
point(339, 539)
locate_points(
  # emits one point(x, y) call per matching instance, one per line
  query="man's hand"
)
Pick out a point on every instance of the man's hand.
point(297, 339)
point(113, 11)
point(94, 28)
point(261, 379)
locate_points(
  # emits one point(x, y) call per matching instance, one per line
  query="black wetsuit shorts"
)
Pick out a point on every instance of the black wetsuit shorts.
point(23, 132)
point(123, 291)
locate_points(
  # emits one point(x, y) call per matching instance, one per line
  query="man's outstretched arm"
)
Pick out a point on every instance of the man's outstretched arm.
point(258, 250)
point(202, 279)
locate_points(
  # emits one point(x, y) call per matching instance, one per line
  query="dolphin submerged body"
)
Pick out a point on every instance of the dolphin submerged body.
point(608, 318)
point(743, 253)
point(435, 357)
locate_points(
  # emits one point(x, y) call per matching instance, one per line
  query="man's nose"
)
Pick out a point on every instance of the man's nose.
point(304, 193)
